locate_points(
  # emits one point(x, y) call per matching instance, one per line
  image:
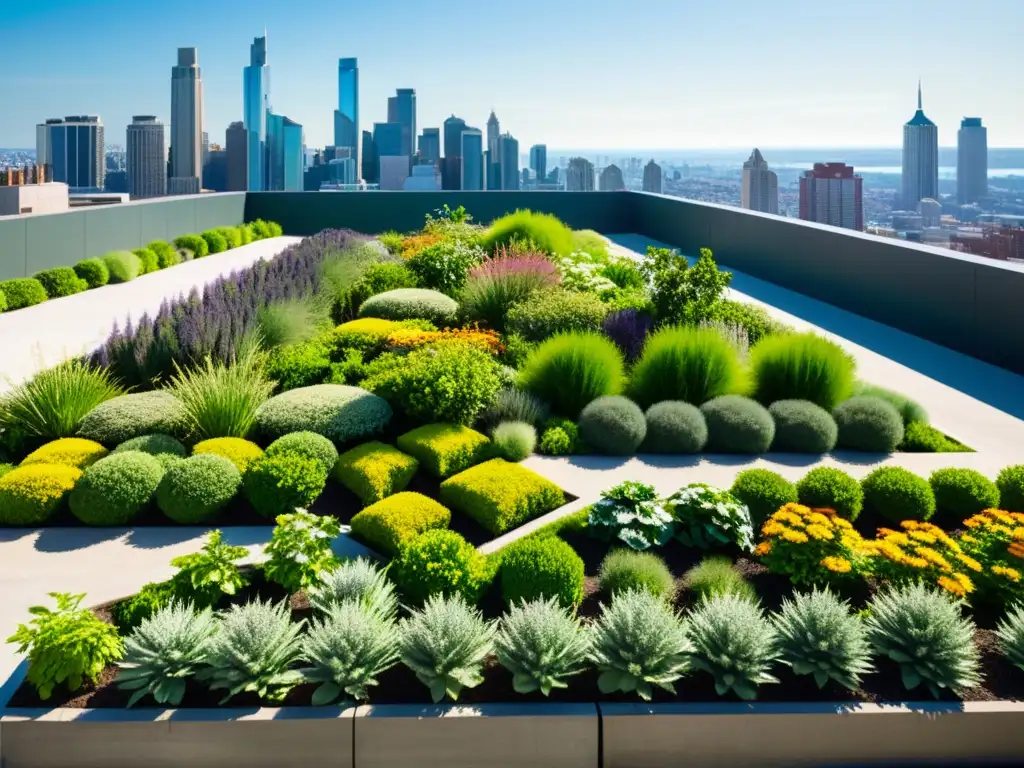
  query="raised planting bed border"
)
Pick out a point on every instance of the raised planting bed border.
point(563, 735)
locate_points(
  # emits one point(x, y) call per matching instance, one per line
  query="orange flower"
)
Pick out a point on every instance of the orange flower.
point(1011, 574)
point(837, 564)
point(763, 549)
point(952, 586)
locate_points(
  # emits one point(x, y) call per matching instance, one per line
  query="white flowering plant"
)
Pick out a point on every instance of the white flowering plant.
point(299, 553)
point(582, 271)
point(707, 517)
point(632, 513)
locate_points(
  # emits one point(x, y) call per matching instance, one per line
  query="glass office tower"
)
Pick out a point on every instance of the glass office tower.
point(346, 116)
point(256, 104)
point(472, 152)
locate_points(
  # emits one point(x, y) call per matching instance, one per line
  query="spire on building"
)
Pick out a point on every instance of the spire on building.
point(919, 103)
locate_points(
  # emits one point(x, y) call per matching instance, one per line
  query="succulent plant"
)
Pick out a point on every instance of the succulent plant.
point(540, 643)
point(359, 579)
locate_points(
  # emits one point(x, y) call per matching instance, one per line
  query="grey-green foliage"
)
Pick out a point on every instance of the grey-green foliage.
point(347, 649)
point(445, 644)
point(540, 643)
point(639, 642)
point(361, 580)
point(735, 643)
point(923, 631)
point(164, 651)
point(253, 650)
point(819, 636)
point(1010, 632)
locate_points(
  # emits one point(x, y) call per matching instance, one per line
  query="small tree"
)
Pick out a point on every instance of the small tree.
point(682, 294)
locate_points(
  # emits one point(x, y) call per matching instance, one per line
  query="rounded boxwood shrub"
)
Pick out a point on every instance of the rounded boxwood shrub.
point(1010, 482)
point(898, 494)
point(60, 281)
point(831, 488)
point(166, 254)
point(114, 490)
point(232, 236)
point(555, 311)
point(308, 444)
point(540, 567)
point(193, 490)
point(910, 410)
point(338, 412)
point(70, 451)
point(194, 243)
point(22, 292)
point(764, 492)
point(803, 427)
point(93, 271)
point(801, 366)
point(165, 448)
point(412, 304)
point(689, 364)
point(122, 266)
point(961, 493)
point(614, 425)
point(514, 440)
point(623, 570)
point(278, 485)
point(29, 495)
point(3, 301)
point(127, 416)
point(148, 260)
point(868, 424)
point(737, 425)
point(215, 242)
point(675, 427)
point(237, 450)
point(570, 370)
point(440, 561)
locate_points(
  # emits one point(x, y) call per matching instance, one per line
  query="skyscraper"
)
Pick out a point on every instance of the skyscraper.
point(971, 161)
point(493, 132)
point(508, 160)
point(146, 158)
point(369, 162)
point(652, 177)
point(256, 107)
point(186, 124)
point(236, 142)
point(611, 179)
point(346, 116)
point(579, 176)
point(402, 110)
point(285, 163)
point(760, 189)
point(387, 137)
point(430, 146)
point(832, 194)
point(920, 158)
point(75, 151)
point(539, 161)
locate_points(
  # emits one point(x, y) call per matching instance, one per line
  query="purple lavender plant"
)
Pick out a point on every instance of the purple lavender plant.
point(628, 328)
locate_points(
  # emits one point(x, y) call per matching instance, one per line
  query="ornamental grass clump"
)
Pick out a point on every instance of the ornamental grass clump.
point(496, 285)
point(1010, 632)
point(511, 404)
point(996, 538)
point(164, 652)
point(715, 575)
point(570, 370)
point(801, 366)
point(639, 643)
point(623, 570)
point(541, 230)
point(707, 517)
point(514, 440)
point(921, 552)
point(633, 514)
point(445, 644)
point(733, 642)
point(811, 546)
point(358, 580)
point(923, 631)
point(541, 643)
point(818, 635)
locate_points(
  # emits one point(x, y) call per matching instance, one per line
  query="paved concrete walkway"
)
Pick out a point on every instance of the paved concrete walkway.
point(39, 337)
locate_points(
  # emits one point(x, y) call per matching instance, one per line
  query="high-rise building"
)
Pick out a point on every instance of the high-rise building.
point(508, 160)
point(652, 178)
point(971, 161)
point(611, 179)
point(74, 149)
point(760, 187)
point(346, 116)
point(394, 170)
point(402, 110)
point(256, 107)
point(493, 132)
point(832, 194)
point(424, 178)
point(215, 169)
point(236, 144)
point(453, 128)
point(920, 158)
point(430, 146)
point(539, 160)
point(387, 137)
point(369, 161)
point(186, 124)
point(579, 177)
point(285, 154)
point(147, 158)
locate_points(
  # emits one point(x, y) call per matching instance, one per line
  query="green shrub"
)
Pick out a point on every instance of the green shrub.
point(277, 485)
point(511, 404)
point(153, 597)
point(30, 495)
point(166, 254)
point(633, 514)
point(195, 243)
point(123, 266)
point(165, 448)
point(764, 492)
point(292, 321)
point(1010, 632)
point(193, 490)
point(374, 471)
point(238, 451)
point(556, 441)
point(961, 493)
point(555, 311)
point(541, 230)
point(392, 522)
point(445, 449)
point(714, 575)
point(114, 490)
point(755, 321)
point(674, 427)
point(514, 440)
point(501, 496)
point(680, 293)
point(570, 370)
point(443, 266)
point(623, 570)
point(831, 488)
point(540, 643)
point(70, 451)
point(801, 366)
point(803, 427)
point(737, 425)
point(299, 365)
point(919, 437)
point(307, 444)
point(122, 418)
point(261, 230)
point(441, 562)
point(339, 413)
point(381, 278)
point(910, 411)
point(3, 301)
point(23, 292)
point(689, 364)
point(1010, 483)
point(232, 236)
point(93, 271)
point(204, 577)
point(411, 304)
point(148, 260)
point(299, 554)
point(60, 281)
point(868, 424)
point(897, 494)
point(613, 425)
point(540, 567)
point(221, 400)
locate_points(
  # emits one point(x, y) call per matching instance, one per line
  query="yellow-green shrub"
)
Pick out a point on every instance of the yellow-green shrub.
point(501, 496)
point(69, 451)
point(374, 470)
point(365, 333)
point(390, 523)
point(29, 495)
point(236, 450)
point(444, 449)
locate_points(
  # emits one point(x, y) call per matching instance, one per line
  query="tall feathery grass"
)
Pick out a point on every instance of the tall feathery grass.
point(544, 231)
point(292, 321)
point(569, 370)
point(689, 364)
point(801, 366)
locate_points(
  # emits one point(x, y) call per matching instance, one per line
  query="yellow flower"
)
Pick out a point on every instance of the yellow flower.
point(773, 528)
point(786, 516)
point(816, 518)
point(842, 523)
point(974, 522)
point(1018, 534)
point(964, 582)
point(970, 562)
point(916, 562)
point(837, 564)
point(910, 525)
point(763, 549)
point(933, 557)
point(819, 532)
point(968, 538)
point(927, 538)
point(952, 585)
point(897, 538)
point(1000, 515)
point(795, 537)
point(1011, 574)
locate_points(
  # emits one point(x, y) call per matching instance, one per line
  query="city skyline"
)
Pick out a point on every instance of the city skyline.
point(741, 105)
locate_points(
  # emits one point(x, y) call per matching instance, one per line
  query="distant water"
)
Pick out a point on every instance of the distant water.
point(944, 172)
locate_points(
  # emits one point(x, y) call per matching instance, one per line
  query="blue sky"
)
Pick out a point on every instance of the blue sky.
point(575, 74)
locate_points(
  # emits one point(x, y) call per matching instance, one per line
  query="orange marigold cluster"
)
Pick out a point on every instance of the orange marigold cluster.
point(410, 338)
point(811, 546)
point(995, 537)
point(921, 551)
point(413, 244)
